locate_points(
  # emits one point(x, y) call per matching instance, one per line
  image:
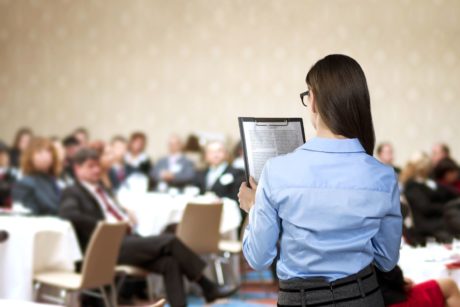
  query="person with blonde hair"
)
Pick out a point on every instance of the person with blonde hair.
point(38, 190)
point(426, 199)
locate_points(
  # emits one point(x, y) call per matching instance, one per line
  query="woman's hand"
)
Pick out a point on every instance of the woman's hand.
point(246, 195)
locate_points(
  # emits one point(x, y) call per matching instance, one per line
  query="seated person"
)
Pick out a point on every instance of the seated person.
point(82, 135)
point(119, 170)
point(398, 291)
point(136, 157)
point(175, 170)
point(87, 203)
point(21, 142)
point(426, 199)
point(38, 189)
point(439, 151)
point(219, 177)
point(71, 146)
point(446, 173)
point(385, 154)
point(6, 176)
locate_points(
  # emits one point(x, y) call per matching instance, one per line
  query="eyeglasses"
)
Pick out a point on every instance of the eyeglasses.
point(302, 95)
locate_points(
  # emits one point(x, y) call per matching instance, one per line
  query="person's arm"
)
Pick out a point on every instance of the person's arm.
point(71, 210)
point(23, 193)
point(387, 241)
point(262, 232)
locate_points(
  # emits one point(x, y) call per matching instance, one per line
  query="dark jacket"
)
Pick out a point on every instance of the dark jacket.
point(38, 192)
point(427, 206)
point(221, 187)
point(392, 286)
point(117, 180)
point(6, 184)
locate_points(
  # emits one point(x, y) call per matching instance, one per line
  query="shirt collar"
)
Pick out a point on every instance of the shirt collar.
point(333, 145)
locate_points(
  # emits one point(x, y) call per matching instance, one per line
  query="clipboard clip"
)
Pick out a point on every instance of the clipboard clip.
point(278, 123)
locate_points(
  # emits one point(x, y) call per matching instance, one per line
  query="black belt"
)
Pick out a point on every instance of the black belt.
point(319, 292)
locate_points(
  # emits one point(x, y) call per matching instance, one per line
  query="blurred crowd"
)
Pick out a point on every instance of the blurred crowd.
point(34, 170)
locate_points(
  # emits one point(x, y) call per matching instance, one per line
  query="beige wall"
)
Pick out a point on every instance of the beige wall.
point(166, 66)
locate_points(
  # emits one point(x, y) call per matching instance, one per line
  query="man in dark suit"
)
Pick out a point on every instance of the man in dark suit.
point(175, 170)
point(219, 177)
point(86, 203)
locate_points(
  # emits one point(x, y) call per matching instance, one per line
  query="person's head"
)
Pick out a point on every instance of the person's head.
point(137, 143)
point(339, 99)
point(4, 155)
point(60, 150)
point(385, 153)
point(215, 153)
point(439, 151)
point(446, 171)
point(175, 145)
point(40, 157)
point(22, 139)
point(71, 146)
point(82, 135)
point(119, 147)
point(87, 165)
point(417, 168)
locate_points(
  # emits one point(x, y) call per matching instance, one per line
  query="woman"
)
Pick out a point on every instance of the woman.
point(38, 189)
point(333, 206)
point(136, 157)
point(7, 177)
point(21, 142)
point(426, 199)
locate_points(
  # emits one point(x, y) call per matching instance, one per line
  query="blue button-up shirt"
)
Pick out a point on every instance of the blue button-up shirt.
point(334, 208)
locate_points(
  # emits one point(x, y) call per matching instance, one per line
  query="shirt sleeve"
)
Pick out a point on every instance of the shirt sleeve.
point(387, 241)
point(262, 232)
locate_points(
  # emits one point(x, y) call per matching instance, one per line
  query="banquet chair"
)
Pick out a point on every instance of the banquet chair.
point(160, 303)
point(98, 266)
point(199, 229)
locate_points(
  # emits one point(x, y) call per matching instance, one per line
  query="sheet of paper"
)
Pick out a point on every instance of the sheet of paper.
point(264, 140)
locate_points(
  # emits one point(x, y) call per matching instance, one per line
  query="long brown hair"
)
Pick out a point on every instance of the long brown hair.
point(342, 98)
point(37, 144)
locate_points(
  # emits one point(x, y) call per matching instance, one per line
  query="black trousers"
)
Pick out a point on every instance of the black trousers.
point(357, 290)
point(166, 255)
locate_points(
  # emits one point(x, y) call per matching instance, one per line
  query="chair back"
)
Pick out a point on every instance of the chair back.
point(200, 227)
point(102, 254)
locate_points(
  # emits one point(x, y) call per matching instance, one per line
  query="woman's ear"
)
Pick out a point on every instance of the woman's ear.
point(313, 103)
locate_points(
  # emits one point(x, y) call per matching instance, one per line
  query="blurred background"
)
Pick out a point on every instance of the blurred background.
point(191, 66)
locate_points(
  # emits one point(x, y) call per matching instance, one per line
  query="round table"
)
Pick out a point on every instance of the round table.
point(154, 211)
point(35, 244)
point(432, 262)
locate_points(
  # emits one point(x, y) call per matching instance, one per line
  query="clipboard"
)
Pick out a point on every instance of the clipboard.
point(267, 124)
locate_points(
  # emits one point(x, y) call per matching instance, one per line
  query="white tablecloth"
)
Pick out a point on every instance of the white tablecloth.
point(35, 244)
point(421, 264)
point(155, 211)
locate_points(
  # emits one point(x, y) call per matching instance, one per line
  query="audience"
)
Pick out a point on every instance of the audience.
point(439, 151)
point(21, 141)
point(38, 189)
point(87, 202)
point(426, 199)
point(71, 146)
point(7, 177)
point(385, 154)
point(119, 170)
point(175, 170)
point(194, 152)
point(219, 177)
point(136, 157)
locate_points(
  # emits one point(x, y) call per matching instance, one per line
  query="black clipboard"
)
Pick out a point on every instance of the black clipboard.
point(263, 121)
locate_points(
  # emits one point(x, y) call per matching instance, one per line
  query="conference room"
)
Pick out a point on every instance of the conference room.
point(156, 153)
